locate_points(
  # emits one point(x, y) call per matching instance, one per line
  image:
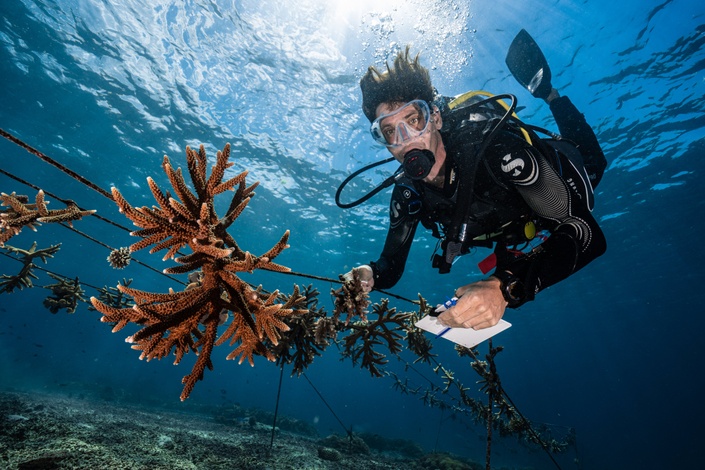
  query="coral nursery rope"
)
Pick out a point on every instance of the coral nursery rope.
point(105, 193)
point(112, 249)
point(503, 392)
point(337, 281)
point(56, 164)
point(65, 201)
point(276, 407)
point(51, 272)
point(347, 431)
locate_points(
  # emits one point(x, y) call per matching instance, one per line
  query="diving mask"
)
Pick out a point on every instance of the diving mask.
point(402, 125)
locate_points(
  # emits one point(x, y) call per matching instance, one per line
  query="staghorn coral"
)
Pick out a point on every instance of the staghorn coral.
point(119, 258)
point(113, 297)
point(24, 277)
point(402, 387)
point(20, 213)
point(351, 298)
point(498, 414)
point(300, 345)
point(366, 335)
point(172, 321)
point(416, 340)
point(66, 294)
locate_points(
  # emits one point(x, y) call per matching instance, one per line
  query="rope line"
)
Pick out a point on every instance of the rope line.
point(133, 259)
point(105, 193)
point(56, 164)
point(320, 395)
point(65, 201)
point(531, 429)
point(108, 195)
point(526, 421)
point(276, 407)
point(338, 281)
point(51, 272)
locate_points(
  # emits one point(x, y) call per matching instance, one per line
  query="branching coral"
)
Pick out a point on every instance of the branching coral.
point(300, 345)
point(366, 335)
point(20, 213)
point(351, 298)
point(172, 321)
point(403, 387)
point(24, 277)
point(497, 414)
point(416, 340)
point(66, 294)
point(114, 298)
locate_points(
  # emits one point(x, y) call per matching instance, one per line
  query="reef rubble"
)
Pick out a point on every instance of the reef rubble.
point(42, 431)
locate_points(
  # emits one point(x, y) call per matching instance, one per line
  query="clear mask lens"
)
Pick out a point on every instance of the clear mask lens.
point(402, 125)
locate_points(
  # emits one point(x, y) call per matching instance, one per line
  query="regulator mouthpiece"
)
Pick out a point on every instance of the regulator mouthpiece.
point(418, 163)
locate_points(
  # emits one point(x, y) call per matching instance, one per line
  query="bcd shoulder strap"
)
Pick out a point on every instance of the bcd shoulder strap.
point(485, 114)
point(477, 107)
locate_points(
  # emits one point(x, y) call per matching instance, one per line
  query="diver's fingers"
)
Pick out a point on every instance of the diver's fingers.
point(484, 324)
point(462, 290)
point(448, 318)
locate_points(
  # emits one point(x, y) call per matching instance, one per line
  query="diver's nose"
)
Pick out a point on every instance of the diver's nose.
point(403, 134)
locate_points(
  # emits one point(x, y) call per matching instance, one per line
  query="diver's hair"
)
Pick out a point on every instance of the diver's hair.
point(407, 80)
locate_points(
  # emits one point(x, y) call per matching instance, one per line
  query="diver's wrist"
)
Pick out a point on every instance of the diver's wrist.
point(512, 288)
point(552, 96)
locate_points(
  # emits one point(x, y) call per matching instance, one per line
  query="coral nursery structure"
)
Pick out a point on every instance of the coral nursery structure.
point(8, 283)
point(21, 213)
point(286, 329)
point(189, 320)
point(65, 294)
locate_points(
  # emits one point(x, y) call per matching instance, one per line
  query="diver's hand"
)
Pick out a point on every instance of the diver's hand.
point(480, 305)
point(365, 274)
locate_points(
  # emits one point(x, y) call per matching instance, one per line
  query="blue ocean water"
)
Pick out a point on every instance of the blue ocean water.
point(108, 88)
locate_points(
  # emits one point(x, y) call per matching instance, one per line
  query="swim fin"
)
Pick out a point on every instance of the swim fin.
point(528, 65)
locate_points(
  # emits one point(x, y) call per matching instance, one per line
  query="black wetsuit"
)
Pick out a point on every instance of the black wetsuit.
point(514, 181)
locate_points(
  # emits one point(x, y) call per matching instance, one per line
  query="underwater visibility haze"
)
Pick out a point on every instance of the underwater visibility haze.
point(611, 356)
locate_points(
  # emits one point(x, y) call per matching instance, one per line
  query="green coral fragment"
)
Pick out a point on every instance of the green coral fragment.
point(8, 283)
point(113, 297)
point(66, 294)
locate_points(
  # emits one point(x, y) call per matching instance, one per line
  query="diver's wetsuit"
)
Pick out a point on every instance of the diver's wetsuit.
point(514, 182)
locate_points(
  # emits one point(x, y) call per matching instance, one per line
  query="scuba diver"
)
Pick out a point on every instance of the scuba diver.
point(476, 176)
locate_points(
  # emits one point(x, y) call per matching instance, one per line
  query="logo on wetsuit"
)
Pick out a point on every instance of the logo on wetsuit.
point(395, 211)
point(517, 165)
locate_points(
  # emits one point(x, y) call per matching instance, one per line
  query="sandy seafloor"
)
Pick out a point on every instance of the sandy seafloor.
point(53, 431)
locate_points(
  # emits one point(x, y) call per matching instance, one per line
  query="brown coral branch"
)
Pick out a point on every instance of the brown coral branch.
point(416, 340)
point(196, 163)
point(177, 182)
point(203, 361)
point(21, 214)
point(351, 298)
point(366, 336)
point(180, 322)
point(24, 277)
